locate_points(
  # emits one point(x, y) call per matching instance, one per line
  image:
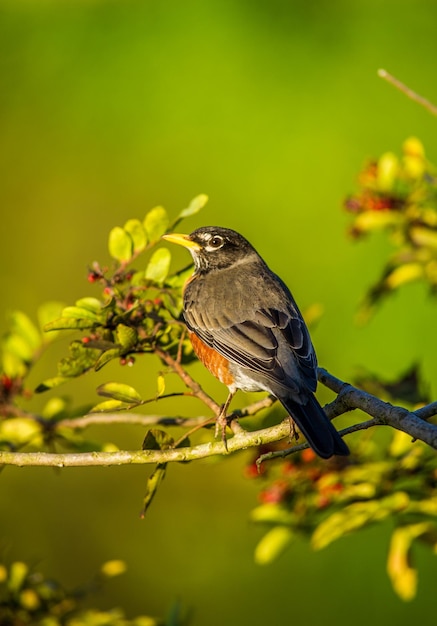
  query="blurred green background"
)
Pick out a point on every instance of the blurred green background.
point(108, 108)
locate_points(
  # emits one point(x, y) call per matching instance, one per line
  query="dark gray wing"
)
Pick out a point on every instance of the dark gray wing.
point(257, 343)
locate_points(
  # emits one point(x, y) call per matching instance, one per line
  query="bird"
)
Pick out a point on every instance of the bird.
point(246, 328)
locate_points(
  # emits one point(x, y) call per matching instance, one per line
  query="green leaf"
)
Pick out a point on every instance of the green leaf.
point(113, 568)
point(80, 360)
point(119, 391)
point(159, 266)
point(156, 223)
point(424, 237)
point(120, 244)
point(273, 544)
point(157, 439)
point(272, 514)
point(51, 383)
point(195, 206)
point(80, 313)
point(405, 273)
point(46, 313)
point(108, 406)
point(17, 576)
point(22, 325)
point(18, 347)
point(69, 323)
point(90, 304)
point(402, 574)
point(388, 169)
point(137, 233)
point(377, 220)
point(126, 336)
point(161, 385)
point(20, 431)
point(105, 357)
point(356, 516)
point(12, 366)
point(153, 482)
point(55, 407)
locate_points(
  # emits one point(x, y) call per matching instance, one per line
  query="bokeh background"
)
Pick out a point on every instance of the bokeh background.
point(108, 108)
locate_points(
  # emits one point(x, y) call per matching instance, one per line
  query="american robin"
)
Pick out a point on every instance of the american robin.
point(247, 330)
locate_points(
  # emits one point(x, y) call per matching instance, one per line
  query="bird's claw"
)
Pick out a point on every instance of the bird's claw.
point(220, 428)
point(293, 430)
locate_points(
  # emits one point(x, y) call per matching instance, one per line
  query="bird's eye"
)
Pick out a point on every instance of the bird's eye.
point(216, 242)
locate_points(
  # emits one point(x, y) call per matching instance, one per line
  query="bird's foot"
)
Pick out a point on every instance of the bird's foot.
point(293, 430)
point(223, 420)
point(220, 428)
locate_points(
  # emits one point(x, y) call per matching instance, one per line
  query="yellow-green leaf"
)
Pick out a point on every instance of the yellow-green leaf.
point(54, 407)
point(90, 304)
point(195, 205)
point(80, 360)
point(404, 274)
point(157, 439)
point(402, 574)
point(273, 544)
point(388, 168)
point(22, 325)
point(161, 385)
point(80, 313)
point(17, 576)
point(355, 516)
point(424, 237)
point(159, 266)
point(156, 223)
point(137, 233)
point(107, 356)
point(18, 347)
point(108, 406)
point(113, 568)
point(152, 485)
point(376, 220)
point(120, 244)
point(48, 312)
point(20, 430)
point(51, 383)
point(119, 391)
point(272, 514)
point(13, 366)
point(70, 323)
point(126, 336)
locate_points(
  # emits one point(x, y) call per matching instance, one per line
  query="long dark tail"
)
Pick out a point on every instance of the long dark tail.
point(317, 428)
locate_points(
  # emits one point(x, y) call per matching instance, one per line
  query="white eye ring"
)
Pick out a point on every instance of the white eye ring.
point(215, 242)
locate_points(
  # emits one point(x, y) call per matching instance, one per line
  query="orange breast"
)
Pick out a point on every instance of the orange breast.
point(212, 360)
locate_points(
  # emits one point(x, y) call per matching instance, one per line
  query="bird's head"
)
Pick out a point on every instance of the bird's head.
point(214, 247)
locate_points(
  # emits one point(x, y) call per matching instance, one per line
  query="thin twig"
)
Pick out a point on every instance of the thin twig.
point(429, 106)
point(135, 419)
point(281, 454)
point(188, 380)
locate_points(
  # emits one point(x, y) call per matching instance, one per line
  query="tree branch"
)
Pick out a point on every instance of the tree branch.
point(410, 422)
point(348, 398)
point(383, 413)
point(240, 441)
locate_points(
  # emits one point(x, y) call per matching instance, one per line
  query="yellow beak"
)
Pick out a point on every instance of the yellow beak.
point(182, 240)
